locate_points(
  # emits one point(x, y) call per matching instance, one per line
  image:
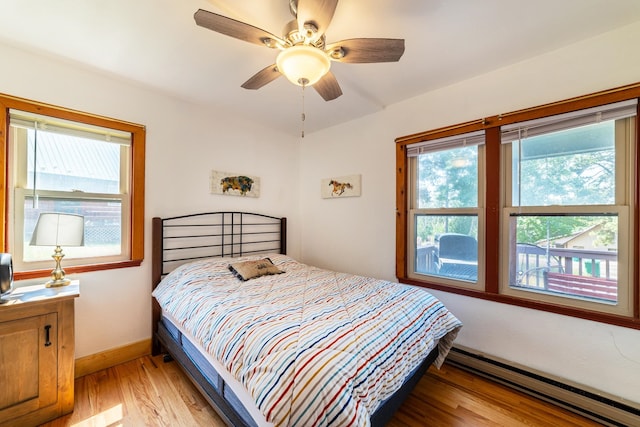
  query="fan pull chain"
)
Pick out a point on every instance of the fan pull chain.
point(303, 117)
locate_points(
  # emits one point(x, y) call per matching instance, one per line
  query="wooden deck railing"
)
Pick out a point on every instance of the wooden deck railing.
point(576, 272)
point(572, 272)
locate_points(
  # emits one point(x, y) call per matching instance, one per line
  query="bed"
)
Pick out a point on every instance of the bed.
point(296, 344)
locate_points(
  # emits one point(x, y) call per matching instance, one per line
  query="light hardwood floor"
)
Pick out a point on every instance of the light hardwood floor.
point(149, 392)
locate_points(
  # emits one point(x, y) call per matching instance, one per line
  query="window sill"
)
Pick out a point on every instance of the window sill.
point(627, 322)
point(36, 274)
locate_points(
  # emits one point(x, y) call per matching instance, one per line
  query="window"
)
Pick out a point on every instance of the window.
point(445, 214)
point(69, 162)
point(538, 206)
point(566, 217)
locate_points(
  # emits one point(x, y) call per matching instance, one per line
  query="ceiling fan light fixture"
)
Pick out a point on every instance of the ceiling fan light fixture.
point(303, 64)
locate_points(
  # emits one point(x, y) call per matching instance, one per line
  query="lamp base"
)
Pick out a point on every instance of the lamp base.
point(57, 283)
point(57, 275)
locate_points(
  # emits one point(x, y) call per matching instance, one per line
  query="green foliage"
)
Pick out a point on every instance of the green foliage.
point(535, 229)
point(448, 178)
point(575, 167)
point(606, 235)
point(571, 167)
point(563, 172)
point(428, 226)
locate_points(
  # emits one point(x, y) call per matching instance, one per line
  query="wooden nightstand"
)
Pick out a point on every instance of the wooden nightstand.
point(37, 348)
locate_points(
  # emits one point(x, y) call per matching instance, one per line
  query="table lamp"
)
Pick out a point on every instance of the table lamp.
point(58, 229)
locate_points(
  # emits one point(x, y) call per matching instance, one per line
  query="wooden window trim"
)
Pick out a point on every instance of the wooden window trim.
point(137, 173)
point(491, 125)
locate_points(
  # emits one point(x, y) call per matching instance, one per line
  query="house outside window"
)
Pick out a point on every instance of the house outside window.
point(69, 162)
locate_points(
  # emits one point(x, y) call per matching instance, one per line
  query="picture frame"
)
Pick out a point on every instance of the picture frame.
point(234, 184)
point(341, 187)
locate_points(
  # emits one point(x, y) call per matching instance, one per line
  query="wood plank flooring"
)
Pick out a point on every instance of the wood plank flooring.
point(149, 392)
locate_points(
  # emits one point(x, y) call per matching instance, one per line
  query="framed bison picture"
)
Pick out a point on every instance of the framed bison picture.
point(234, 184)
point(339, 187)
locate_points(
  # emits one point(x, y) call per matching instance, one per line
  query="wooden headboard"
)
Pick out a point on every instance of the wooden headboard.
point(181, 239)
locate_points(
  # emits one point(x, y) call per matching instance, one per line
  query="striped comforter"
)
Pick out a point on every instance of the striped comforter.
point(313, 347)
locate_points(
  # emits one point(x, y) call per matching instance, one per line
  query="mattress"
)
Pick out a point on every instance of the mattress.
point(309, 346)
point(222, 381)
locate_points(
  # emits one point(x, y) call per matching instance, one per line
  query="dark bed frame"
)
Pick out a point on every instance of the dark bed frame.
point(186, 238)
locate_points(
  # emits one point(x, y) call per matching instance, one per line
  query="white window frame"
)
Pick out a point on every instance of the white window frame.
point(441, 144)
point(624, 155)
point(18, 192)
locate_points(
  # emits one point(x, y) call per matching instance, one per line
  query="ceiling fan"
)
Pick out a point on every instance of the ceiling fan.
point(305, 57)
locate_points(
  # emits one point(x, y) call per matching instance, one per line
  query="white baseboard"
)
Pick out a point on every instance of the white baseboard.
point(596, 405)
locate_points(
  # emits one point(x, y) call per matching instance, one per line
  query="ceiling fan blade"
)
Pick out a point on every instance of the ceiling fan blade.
point(366, 50)
point(262, 77)
point(316, 12)
point(236, 29)
point(328, 87)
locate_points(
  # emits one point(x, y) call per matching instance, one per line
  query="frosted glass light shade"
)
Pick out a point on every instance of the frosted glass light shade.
point(303, 64)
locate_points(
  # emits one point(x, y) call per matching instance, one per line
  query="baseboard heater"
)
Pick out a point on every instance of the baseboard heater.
point(592, 404)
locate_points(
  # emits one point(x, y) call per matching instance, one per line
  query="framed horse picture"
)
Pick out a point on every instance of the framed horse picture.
point(342, 186)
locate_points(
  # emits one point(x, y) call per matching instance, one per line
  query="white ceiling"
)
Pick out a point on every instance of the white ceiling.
point(157, 43)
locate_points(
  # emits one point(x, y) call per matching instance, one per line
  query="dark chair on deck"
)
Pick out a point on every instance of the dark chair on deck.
point(458, 256)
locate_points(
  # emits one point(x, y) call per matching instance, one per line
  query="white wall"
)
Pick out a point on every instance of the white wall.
point(358, 234)
point(184, 143)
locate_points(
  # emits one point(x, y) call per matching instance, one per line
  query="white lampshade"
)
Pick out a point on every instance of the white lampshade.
point(303, 64)
point(57, 229)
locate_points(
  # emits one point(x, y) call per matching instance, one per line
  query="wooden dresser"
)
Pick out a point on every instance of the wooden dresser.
point(37, 348)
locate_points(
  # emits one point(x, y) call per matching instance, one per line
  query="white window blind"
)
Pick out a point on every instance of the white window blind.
point(455, 141)
point(25, 120)
point(560, 122)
